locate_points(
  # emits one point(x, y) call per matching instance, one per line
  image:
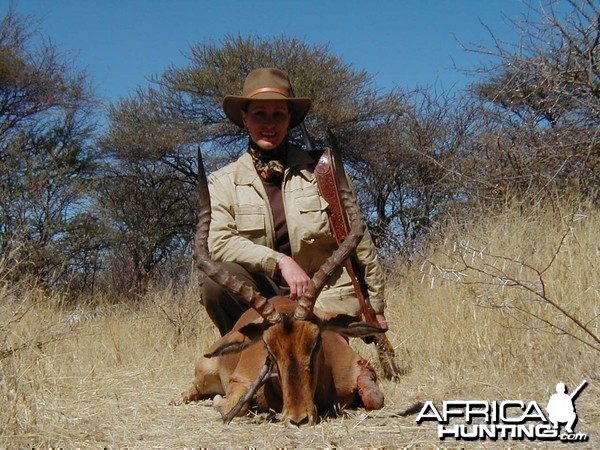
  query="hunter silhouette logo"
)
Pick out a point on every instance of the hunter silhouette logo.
point(508, 419)
point(561, 406)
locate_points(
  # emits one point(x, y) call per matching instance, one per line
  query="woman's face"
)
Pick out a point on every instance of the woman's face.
point(267, 121)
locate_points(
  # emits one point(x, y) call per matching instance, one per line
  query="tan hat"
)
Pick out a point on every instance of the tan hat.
point(266, 84)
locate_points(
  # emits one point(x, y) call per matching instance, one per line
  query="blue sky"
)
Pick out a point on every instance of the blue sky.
point(405, 43)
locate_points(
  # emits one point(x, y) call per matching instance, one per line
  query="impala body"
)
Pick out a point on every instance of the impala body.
point(317, 371)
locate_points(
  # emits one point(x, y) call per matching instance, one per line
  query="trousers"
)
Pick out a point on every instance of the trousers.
point(224, 308)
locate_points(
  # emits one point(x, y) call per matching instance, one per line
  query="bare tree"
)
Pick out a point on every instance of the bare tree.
point(144, 206)
point(47, 161)
point(542, 105)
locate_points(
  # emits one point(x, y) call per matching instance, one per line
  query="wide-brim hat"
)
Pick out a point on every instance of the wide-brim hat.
point(266, 84)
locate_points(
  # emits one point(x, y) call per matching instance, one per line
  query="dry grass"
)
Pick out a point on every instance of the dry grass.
point(102, 376)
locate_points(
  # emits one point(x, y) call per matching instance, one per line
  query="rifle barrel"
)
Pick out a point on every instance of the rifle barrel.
point(579, 388)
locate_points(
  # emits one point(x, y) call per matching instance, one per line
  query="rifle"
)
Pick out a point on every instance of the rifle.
point(578, 390)
point(330, 175)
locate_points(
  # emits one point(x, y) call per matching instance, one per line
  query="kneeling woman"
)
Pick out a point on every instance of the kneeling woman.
point(269, 222)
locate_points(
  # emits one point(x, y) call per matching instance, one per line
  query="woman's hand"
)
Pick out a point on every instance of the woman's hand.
point(295, 277)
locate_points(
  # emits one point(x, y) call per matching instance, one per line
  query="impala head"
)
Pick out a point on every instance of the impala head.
point(291, 331)
point(295, 347)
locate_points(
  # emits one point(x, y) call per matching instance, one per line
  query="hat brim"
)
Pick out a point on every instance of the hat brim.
point(298, 106)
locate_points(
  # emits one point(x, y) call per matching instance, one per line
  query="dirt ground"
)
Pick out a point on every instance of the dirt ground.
point(122, 408)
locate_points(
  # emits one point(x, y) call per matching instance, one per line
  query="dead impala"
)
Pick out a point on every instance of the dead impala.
point(315, 369)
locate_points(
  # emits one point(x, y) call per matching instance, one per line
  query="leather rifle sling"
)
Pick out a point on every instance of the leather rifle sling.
point(325, 171)
point(326, 179)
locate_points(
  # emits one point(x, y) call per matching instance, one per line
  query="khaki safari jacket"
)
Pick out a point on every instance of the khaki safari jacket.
point(242, 229)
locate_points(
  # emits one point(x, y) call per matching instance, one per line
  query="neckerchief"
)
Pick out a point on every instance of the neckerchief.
point(269, 164)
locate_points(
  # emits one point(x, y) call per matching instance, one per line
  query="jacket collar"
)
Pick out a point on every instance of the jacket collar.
point(297, 158)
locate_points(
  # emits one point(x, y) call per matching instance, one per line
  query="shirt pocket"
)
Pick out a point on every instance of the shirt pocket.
point(313, 214)
point(250, 223)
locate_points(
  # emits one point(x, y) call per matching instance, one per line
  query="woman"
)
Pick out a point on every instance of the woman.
point(269, 223)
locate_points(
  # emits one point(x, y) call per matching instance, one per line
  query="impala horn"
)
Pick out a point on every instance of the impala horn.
point(202, 257)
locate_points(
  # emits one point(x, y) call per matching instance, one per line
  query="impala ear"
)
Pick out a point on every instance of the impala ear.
point(335, 322)
point(361, 329)
point(348, 326)
point(236, 341)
